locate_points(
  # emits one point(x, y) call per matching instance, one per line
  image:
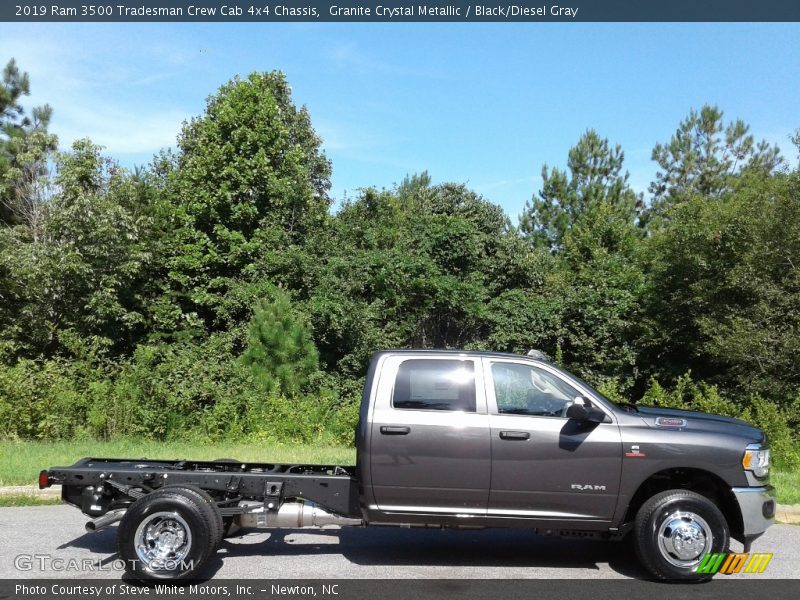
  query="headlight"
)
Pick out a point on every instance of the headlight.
point(756, 459)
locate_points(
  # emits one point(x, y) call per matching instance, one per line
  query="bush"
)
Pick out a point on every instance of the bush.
point(301, 419)
point(612, 388)
point(200, 389)
point(46, 399)
point(167, 389)
point(781, 427)
point(181, 390)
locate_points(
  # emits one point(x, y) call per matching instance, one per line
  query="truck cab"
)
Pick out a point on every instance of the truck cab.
point(463, 435)
point(503, 440)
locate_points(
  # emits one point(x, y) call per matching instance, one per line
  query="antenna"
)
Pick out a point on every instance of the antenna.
point(538, 355)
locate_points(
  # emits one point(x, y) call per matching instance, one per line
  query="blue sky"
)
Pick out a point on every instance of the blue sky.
point(481, 104)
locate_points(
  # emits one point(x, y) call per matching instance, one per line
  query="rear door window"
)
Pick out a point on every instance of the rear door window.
point(426, 384)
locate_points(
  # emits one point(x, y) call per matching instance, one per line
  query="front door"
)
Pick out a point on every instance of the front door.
point(430, 446)
point(543, 464)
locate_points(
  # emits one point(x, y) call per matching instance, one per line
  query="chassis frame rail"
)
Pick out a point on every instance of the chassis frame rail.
point(86, 483)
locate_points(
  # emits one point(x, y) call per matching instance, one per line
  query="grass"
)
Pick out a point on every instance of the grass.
point(21, 461)
point(26, 500)
point(787, 486)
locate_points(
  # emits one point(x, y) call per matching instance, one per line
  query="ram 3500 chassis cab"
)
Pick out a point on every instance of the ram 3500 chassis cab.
point(459, 440)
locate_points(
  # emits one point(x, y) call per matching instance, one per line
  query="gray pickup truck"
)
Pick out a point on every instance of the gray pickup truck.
point(459, 440)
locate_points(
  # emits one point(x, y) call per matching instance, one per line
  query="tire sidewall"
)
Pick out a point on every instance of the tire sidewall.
point(166, 503)
point(206, 503)
point(687, 503)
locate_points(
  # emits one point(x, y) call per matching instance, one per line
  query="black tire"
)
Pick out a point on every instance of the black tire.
point(208, 504)
point(164, 507)
point(660, 545)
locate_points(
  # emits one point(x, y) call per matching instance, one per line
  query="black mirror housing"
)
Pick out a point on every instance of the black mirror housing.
point(596, 415)
point(578, 412)
point(583, 414)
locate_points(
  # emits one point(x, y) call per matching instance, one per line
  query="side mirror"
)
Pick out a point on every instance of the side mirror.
point(585, 413)
point(577, 412)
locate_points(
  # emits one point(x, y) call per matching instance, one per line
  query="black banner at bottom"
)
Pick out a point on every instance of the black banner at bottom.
point(399, 589)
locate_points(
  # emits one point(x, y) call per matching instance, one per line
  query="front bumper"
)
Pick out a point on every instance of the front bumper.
point(757, 507)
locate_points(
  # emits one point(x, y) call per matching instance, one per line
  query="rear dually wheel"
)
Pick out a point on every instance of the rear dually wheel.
point(166, 534)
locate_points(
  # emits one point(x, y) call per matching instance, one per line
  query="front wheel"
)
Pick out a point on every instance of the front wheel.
point(674, 530)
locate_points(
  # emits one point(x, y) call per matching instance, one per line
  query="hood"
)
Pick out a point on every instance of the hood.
point(700, 421)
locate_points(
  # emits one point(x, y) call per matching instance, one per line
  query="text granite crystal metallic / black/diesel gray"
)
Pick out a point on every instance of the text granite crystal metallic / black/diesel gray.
point(459, 439)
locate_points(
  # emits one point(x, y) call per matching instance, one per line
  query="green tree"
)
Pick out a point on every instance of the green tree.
point(412, 184)
point(418, 266)
point(704, 156)
point(249, 185)
point(89, 272)
point(595, 175)
point(588, 308)
point(726, 287)
point(601, 290)
point(280, 351)
point(25, 147)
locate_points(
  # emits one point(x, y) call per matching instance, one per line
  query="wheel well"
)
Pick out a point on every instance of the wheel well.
point(696, 480)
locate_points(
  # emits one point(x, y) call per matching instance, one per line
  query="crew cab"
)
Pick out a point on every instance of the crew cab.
point(457, 439)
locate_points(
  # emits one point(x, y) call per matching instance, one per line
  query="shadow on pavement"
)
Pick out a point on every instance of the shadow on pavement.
point(386, 546)
point(103, 541)
point(380, 546)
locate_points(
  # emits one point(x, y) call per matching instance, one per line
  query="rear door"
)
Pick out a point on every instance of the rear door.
point(430, 445)
point(543, 464)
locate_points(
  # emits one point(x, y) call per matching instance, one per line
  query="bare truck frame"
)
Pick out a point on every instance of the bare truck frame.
point(102, 485)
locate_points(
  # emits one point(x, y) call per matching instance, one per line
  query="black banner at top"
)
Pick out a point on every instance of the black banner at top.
point(531, 11)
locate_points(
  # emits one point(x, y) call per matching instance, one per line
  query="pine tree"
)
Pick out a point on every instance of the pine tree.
point(25, 147)
point(704, 155)
point(280, 351)
point(595, 176)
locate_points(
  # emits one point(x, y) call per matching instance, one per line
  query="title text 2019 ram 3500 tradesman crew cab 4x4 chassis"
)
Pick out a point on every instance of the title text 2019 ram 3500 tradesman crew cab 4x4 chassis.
point(459, 439)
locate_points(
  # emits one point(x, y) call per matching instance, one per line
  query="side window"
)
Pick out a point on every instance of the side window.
point(526, 390)
point(424, 384)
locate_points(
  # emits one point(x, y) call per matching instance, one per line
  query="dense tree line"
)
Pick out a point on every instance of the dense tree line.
point(213, 292)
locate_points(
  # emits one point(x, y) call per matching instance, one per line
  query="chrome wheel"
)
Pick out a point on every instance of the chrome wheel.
point(684, 538)
point(163, 541)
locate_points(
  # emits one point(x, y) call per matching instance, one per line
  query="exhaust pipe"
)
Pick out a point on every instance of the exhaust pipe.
point(292, 515)
point(104, 521)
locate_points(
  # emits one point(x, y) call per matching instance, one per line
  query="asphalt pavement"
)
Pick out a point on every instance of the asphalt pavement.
point(50, 541)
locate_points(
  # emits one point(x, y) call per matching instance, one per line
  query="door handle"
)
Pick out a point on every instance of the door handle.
point(514, 435)
point(395, 430)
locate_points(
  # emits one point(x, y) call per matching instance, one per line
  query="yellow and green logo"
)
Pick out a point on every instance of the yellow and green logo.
point(729, 563)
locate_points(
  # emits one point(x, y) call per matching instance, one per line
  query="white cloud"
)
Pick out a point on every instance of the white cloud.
point(344, 136)
point(504, 183)
point(349, 56)
point(96, 90)
point(119, 131)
